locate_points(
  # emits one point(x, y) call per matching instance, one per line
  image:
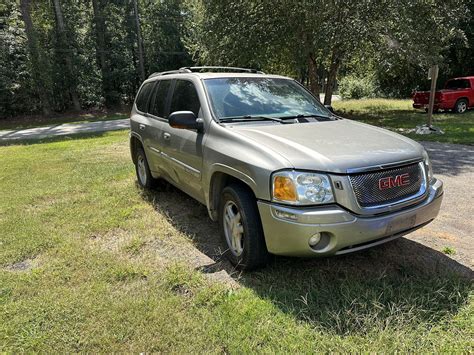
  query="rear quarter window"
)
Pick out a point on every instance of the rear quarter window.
point(458, 84)
point(142, 98)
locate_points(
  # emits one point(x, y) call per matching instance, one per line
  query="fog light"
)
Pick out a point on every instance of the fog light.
point(314, 239)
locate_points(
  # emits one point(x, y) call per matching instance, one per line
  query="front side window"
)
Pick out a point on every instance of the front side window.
point(161, 94)
point(143, 95)
point(185, 97)
point(274, 97)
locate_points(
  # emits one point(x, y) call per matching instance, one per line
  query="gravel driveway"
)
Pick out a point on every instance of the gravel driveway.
point(454, 227)
point(63, 130)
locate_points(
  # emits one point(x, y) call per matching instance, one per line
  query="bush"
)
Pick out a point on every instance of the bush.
point(354, 87)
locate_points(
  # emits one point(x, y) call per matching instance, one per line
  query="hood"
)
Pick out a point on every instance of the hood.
point(333, 146)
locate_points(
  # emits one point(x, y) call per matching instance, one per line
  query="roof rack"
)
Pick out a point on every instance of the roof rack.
point(180, 70)
point(218, 68)
point(209, 69)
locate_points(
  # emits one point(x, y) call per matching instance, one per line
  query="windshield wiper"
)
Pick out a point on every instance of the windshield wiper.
point(305, 116)
point(247, 118)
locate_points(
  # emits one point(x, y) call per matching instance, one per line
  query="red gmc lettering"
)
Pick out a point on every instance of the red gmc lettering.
point(389, 182)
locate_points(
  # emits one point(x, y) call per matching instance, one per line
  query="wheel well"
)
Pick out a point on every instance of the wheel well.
point(134, 144)
point(219, 181)
point(463, 98)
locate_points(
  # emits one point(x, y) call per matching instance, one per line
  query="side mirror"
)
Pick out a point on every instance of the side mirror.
point(329, 107)
point(185, 120)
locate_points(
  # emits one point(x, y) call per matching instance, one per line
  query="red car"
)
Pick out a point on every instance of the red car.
point(457, 95)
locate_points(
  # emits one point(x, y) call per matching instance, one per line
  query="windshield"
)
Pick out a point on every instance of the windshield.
point(457, 84)
point(270, 97)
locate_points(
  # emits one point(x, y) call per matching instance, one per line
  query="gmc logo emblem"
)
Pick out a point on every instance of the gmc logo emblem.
point(390, 181)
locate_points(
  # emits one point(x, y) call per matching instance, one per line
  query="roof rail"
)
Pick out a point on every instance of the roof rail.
point(220, 68)
point(207, 68)
point(181, 70)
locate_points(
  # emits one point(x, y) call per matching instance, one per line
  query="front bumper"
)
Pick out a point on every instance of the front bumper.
point(341, 231)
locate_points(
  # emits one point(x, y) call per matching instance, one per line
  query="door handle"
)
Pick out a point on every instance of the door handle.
point(141, 126)
point(166, 136)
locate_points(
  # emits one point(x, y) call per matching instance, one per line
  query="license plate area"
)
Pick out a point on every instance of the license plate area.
point(400, 224)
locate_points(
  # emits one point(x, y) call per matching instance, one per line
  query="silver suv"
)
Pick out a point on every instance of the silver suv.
point(281, 173)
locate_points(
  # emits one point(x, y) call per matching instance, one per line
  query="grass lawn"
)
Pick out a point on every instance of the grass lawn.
point(17, 123)
point(396, 114)
point(89, 262)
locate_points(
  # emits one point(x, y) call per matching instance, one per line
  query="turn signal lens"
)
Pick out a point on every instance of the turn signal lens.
point(284, 189)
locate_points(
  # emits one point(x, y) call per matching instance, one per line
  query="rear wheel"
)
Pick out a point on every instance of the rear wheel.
point(144, 177)
point(240, 228)
point(461, 106)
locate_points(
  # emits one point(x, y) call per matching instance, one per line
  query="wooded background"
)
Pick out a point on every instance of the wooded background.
point(63, 55)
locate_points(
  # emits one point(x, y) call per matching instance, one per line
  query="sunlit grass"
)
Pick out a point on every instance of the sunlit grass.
point(398, 115)
point(88, 263)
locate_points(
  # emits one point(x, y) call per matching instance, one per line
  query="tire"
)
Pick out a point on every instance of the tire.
point(249, 250)
point(461, 106)
point(144, 177)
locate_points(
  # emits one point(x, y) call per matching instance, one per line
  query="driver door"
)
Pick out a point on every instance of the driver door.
point(182, 148)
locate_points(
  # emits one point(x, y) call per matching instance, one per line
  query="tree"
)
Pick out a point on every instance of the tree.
point(313, 37)
point(38, 63)
point(314, 40)
point(111, 96)
point(66, 51)
point(141, 55)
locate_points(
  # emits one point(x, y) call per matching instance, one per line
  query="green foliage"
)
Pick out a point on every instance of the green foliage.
point(449, 251)
point(162, 30)
point(316, 42)
point(356, 87)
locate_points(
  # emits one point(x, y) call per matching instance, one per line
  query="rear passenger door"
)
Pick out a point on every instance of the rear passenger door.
point(158, 110)
point(182, 148)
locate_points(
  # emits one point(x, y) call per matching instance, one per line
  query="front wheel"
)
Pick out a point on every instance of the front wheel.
point(240, 228)
point(461, 106)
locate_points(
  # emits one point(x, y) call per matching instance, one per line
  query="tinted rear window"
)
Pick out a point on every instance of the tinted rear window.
point(185, 97)
point(458, 84)
point(161, 93)
point(143, 95)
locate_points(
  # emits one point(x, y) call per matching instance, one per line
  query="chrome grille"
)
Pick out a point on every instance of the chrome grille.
point(368, 192)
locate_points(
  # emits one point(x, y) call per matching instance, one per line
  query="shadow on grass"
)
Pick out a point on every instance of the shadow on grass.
point(400, 284)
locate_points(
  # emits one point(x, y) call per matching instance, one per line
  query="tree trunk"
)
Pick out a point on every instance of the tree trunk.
point(37, 61)
point(67, 55)
point(314, 86)
point(141, 55)
point(332, 75)
point(111, 97)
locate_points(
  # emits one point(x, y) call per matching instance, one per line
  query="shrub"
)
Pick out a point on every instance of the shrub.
point(354, 87)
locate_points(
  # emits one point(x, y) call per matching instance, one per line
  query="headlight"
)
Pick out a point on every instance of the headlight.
point(428, 166)
point(301, 188)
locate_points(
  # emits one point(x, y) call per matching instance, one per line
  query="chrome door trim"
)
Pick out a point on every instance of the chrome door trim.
point(154, 150)
point(186, 167)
